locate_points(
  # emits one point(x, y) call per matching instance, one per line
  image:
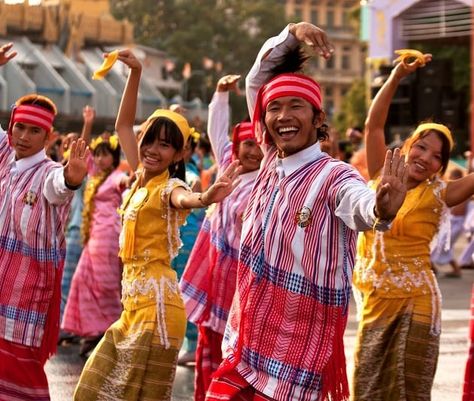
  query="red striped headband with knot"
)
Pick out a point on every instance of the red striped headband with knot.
point(240, 133)
point(293, 84)
point(31, 114)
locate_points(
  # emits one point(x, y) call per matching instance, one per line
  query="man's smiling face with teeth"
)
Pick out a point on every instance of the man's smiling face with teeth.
point(292, 123)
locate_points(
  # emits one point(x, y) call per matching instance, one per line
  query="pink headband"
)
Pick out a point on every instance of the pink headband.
point(31, 114)
point(298, 85)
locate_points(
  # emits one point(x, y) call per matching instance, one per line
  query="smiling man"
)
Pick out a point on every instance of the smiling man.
point(35, 194)
point(284, 335)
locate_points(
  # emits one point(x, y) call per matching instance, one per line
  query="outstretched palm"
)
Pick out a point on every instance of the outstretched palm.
point(392, 188)
point(76, 167)
point(225, 184)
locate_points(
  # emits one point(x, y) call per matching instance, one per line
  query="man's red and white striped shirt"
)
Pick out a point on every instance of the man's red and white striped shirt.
point(33, 212)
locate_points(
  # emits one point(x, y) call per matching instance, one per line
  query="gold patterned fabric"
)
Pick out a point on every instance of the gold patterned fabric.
point(396, 352)
point(399, 302)
point(396, 263)
point(130, 363)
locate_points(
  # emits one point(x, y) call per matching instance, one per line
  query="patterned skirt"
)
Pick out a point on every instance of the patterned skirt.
point(397, 349)
point(130, 363)
point(22, 376)
point(208, 359)
point(233, 387)
point(94, 298)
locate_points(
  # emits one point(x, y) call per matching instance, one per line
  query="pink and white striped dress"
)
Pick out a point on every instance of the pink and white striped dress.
point(94, 299)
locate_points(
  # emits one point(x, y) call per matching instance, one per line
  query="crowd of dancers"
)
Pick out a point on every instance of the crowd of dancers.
point(138, 240)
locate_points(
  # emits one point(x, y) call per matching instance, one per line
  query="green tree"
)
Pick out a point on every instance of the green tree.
point(229, 32)
point(353, 108)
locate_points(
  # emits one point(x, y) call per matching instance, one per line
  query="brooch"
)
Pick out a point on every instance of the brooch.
point(138, 198)
point(304, 217)
point(30, 198)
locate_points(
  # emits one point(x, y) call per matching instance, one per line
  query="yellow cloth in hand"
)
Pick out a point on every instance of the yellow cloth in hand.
point(405, 54)
point(108, 63)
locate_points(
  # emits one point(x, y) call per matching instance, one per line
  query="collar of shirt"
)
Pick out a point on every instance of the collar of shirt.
point(288, 165)
point(18, 166)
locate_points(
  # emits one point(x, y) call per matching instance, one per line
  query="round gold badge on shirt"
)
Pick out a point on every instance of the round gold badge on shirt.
point(138, 198)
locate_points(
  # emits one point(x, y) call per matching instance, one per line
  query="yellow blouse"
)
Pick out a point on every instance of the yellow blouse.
point(149, 240)
point(396, 263)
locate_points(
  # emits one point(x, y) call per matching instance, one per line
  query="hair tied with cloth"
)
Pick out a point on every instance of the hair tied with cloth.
point(445, 131)
point(113, 142)
point(241, 132)
point(288, 84)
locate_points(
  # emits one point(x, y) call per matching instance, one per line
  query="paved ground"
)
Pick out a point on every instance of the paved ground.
point(63, 370)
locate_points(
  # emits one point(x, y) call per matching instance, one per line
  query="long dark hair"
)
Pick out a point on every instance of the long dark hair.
point(172, 136)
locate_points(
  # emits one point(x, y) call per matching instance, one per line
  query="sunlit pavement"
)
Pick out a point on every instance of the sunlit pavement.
point(63, 370)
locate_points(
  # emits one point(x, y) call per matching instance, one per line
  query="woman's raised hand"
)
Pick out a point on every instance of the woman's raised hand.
point(224, 185)
point(5, 54)
point(128, 58)
point(228, 83)
point(404, 68)
point(392, 188)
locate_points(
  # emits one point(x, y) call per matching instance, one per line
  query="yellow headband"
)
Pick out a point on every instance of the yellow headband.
point(178, 119)
point(436, 127)
point(113, 142)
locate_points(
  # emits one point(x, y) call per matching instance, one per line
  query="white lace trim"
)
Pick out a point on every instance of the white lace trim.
point(401, 277)
point(172, 216)
point(443, 235)
point(153, 289)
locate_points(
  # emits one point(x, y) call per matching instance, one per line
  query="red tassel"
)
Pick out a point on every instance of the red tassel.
point(335, 385)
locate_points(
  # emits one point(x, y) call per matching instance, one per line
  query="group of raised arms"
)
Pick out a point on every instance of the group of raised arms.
point(263, 279)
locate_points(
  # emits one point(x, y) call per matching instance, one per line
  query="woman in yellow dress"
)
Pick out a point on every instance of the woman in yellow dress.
point(400, 303)
point(136, 359)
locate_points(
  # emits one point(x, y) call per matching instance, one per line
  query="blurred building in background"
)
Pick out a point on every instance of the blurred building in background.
point(441, 90)
point(340, 19)
point(59, 44)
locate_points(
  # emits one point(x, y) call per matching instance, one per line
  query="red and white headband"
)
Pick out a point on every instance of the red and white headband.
point(31, 114)
point(290, 84)
point(240, 133)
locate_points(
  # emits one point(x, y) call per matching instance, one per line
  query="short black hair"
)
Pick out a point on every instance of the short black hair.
point(104, 148)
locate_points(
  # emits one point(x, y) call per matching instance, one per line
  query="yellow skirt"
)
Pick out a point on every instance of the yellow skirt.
point(397, 349)
point(131, 362)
